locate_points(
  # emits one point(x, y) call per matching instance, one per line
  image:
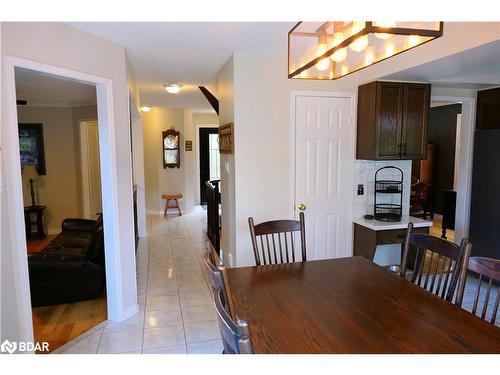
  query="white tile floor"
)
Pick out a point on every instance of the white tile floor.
point(176, 313)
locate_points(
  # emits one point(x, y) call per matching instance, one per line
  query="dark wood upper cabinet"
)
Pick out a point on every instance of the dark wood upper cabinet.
point(392, 120)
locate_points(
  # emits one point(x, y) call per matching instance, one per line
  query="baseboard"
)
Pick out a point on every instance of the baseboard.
point(183, 211)
point(128, 313)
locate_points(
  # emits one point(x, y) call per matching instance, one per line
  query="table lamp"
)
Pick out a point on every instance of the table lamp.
point(31, 174)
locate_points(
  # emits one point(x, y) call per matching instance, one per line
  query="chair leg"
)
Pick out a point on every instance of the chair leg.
point(178, 208)
point(166, 208)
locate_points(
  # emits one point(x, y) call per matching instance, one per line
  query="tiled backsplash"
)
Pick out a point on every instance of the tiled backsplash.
point(364, 174)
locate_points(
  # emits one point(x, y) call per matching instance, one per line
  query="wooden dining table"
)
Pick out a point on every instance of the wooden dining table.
point(350, 305)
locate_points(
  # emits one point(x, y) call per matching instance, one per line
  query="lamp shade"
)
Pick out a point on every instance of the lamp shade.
point(30, 173)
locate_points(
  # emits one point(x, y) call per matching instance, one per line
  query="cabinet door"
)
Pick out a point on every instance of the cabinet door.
point(389, 120)
point(416, 103)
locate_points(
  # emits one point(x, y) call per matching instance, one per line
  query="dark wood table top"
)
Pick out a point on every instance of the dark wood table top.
point(350, 305)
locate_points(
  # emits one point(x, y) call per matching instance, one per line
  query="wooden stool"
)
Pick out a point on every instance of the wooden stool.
point(172, 197)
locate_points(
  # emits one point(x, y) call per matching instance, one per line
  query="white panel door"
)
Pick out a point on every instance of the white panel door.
point(323, 159)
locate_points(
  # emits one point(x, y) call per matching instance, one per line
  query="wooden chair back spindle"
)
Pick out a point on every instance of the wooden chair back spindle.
point(273, 241)
point(489, 269)
point(437, 263)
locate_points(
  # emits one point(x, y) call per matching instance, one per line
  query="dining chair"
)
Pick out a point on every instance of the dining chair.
point(490, 269)
point(433, 263)
point(235, 335)
point(215, 275)
point(273, 241)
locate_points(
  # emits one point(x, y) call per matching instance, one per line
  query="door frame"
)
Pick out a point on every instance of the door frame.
point(109, 183)
point(352, 149)
point(84, 167)
point(197, 161)
point(465, 144)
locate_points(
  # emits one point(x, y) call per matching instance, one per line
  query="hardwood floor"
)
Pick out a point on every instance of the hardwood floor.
point(35, 246)
point(436, 229)
point(60, 324)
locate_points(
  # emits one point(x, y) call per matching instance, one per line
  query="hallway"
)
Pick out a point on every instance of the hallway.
point(176, 314)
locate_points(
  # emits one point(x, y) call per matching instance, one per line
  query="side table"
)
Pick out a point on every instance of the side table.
point(33, 218)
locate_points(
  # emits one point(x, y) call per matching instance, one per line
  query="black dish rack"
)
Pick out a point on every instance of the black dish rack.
point(388, 211)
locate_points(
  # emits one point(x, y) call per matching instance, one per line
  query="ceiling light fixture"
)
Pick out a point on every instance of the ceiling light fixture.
point(173, 88)
point(311, 45)
point(146, 108)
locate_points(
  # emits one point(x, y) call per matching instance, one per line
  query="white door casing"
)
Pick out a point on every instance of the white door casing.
point(91, 170)
point(323, 172)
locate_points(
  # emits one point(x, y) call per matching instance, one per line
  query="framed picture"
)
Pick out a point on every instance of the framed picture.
point(226, 138)
point(31, 146)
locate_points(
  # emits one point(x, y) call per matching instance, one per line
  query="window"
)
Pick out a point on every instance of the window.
point(213, 149)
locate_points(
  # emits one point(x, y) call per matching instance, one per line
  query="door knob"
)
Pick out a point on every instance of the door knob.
point(301, 206)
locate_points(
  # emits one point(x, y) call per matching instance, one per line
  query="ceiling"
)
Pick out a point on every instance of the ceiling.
point(41, 89)
point(476, 68)
point(190, 53)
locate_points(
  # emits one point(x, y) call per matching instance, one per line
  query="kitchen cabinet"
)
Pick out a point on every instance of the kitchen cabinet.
point(368, 234)
point(392, 121)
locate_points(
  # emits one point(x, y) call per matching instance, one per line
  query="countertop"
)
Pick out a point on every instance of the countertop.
point(383, 225)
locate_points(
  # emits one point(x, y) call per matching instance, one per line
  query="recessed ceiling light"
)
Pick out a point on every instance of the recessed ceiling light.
point(146, 108)
point(172, 88)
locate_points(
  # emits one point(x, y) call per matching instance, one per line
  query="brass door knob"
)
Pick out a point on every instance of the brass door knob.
point(301, 207)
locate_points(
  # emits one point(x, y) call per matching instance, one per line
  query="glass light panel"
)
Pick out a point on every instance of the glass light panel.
point(357, 44)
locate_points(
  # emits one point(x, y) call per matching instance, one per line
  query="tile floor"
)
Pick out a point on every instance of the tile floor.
point(176, 313)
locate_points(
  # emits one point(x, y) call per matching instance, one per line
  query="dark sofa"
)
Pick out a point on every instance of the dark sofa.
point(71, 267)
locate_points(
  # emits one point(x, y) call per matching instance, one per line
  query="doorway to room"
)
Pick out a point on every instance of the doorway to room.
point(209, 159)
point(61, 180)
point(13, 188)
point(435, 179)
point(90, 169)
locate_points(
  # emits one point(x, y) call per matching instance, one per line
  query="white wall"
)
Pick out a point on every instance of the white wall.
point(62, 46)
point(260, 96)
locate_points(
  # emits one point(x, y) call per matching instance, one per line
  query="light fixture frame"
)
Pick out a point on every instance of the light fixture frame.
point(368, 29)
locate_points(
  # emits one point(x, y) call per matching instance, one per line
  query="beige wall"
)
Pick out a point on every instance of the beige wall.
point(158, 180)
point(61, 188)
point(183, 180)
point(58, 189)
point(259, 93)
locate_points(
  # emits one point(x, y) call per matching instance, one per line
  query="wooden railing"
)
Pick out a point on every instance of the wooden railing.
point(213, 219)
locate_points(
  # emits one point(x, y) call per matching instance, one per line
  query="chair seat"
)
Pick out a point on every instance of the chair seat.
point(171, 196)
